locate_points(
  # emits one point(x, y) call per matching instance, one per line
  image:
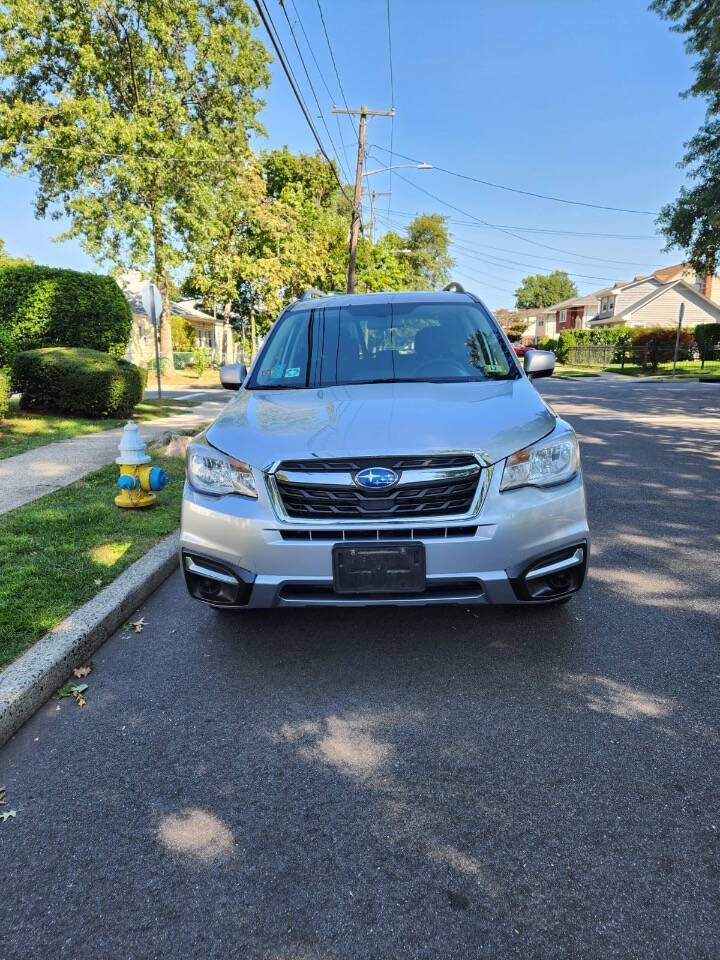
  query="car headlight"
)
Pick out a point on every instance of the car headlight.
point(549, 461)
point(210, 471)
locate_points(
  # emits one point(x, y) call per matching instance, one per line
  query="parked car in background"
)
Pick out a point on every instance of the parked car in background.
point(385, 448)
point(520, 349)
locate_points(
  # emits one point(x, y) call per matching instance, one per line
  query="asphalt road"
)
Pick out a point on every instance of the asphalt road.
point(412, 783)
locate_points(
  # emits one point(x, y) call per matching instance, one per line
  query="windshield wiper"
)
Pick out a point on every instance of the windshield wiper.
point(278, 386)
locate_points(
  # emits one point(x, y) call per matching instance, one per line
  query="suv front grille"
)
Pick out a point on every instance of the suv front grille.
point(444, 497)
point(353, 464)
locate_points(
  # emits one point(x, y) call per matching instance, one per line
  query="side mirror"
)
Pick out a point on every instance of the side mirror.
point(539, 363)
point(232, 375)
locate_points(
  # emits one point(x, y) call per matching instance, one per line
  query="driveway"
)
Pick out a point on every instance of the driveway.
point(406, 783)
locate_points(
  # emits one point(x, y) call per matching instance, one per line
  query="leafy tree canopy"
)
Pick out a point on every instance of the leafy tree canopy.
point(126, 112)
point(513, 322)
point(692, 221)
point(543, 290)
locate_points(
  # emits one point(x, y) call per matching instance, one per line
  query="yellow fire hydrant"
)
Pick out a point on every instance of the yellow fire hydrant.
point(138, 481)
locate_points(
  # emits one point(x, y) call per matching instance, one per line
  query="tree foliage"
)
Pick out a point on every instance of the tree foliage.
point(544, 290)
point(126, 112)
point(513, 322)
point(692, 221)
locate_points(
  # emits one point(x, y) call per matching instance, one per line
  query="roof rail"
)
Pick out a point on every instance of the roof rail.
point(312, 292)
point(454, 287)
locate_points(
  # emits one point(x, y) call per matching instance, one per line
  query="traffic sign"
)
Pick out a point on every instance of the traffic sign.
point(152, 301)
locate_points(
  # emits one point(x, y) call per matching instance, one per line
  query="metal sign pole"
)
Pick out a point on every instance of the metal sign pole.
point(677, 337)
point(153, 320)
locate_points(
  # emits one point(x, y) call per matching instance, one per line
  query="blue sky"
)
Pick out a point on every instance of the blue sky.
point(572, 98)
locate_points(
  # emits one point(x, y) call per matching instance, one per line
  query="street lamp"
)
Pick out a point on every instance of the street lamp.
point(397, 166)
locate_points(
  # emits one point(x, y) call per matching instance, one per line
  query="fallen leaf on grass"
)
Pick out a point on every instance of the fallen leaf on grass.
point(98, 583)
point(139, 625)
point(82, 672)
point(7, 814)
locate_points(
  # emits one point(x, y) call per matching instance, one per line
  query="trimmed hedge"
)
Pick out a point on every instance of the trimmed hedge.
point(4, 393)
point(45, 306)
point(707, 337)
point(72, 380)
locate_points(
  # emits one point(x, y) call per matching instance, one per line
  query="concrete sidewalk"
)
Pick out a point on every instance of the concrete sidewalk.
point(33, 474)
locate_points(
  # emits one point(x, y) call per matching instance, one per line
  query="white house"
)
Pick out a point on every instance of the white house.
point(646, 301)
point(209, 331)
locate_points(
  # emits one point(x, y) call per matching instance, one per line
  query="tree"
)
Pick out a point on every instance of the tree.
point(429, 242)
point(126, 113)
point(692, 221)
point(543, 290)
point(513, 322)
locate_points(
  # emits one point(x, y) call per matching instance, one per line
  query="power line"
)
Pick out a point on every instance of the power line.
point(526, 193)
point(335, 67)
point(392, 99)
point(500, 263)
point(492, 226)
point(551, 230)
point(330, 94)
point(554, 260)
point(475, 270)
point(277, 45)
point(312, 88)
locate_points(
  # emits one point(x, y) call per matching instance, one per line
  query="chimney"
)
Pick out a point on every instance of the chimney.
point(707, 284)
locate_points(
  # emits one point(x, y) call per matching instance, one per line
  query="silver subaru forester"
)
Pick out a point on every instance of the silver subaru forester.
point(385, 449)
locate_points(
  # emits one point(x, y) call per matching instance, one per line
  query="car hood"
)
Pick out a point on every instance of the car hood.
point(490, 418)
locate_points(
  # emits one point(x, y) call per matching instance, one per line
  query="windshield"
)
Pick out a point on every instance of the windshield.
point(383, 342)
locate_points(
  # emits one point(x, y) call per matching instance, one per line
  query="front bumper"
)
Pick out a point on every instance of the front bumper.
point(479, 560)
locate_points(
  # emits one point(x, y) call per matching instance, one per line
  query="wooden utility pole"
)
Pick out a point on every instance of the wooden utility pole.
point(363, 113)
point(373, 194)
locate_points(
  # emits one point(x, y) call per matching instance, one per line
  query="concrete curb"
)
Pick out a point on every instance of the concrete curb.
point(32, 679)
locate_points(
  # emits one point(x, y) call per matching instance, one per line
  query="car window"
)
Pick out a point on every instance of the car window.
point(390, 341)
point(285, 359)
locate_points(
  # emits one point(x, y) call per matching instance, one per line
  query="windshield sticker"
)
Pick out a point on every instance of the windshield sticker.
point(292, 372)
point(494, 368)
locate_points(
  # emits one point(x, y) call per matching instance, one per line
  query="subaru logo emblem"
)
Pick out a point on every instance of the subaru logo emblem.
point(376, 478)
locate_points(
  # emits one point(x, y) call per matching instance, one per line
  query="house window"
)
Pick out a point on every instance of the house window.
point(603, 305)
point(562, 316)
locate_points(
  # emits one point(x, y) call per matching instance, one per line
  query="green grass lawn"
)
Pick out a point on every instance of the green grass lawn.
point(686, 368)
point(56, 553)
point(562, 371)
point(22, 430)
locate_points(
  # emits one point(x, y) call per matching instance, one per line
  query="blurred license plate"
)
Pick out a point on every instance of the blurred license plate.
point(379, 568)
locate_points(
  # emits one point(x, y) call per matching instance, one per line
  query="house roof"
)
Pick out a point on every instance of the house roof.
point(132, 285)
point(654, 294)
point(674, 272)
point(587, 301)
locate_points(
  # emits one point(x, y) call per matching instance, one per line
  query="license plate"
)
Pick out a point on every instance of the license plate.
point(379, 568)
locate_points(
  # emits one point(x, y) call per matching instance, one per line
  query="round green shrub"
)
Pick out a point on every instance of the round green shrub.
point(4, 394)
point(46, 306)
point(79, 381)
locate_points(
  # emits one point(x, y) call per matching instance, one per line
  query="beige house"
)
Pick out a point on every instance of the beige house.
point(649, 302)
point(209, 331)
point(646, 301)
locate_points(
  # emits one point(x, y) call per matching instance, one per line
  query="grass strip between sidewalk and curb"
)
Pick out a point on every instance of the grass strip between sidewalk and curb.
point(24, 430)
point(32, 679)
point(57, 552)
